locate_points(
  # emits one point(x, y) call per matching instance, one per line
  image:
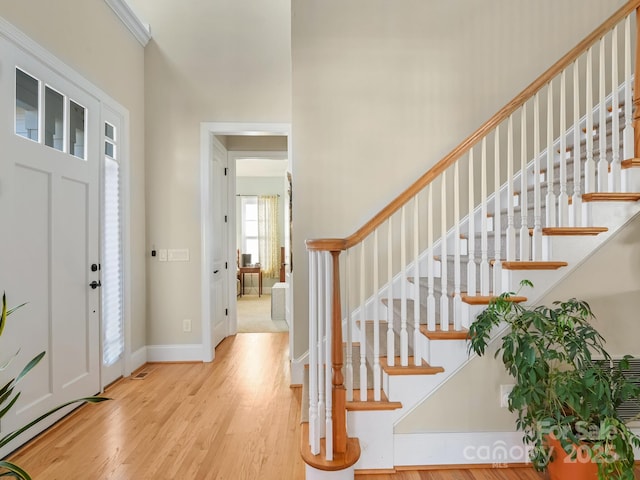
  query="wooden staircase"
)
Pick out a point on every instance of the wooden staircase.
point(396, 307)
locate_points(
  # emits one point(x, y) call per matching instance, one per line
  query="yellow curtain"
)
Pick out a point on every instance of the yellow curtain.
point(268, 235)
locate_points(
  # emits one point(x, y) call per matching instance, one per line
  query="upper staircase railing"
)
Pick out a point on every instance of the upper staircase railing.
point(446, 239)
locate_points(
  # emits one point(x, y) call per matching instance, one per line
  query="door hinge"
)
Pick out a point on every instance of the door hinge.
point(226, 311)
point(226, 265)
point(226, 219)
point(225, 171)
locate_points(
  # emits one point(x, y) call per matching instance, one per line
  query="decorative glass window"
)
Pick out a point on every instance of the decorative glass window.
point(110, 139)
point(63, 122)
point(27, 105)
point(53, 119)
point(76, 130)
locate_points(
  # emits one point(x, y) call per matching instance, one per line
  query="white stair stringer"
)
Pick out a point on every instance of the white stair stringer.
point(375, 429)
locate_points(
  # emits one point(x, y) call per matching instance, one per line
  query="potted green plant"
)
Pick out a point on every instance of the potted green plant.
point(9, 396)
point(567, 388)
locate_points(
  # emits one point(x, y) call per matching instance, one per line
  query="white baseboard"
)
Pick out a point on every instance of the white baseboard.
point(138, 359)
point(492, 448)
point(297, 369)
point(174, 353)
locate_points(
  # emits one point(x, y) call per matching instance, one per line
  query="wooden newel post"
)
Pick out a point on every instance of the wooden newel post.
point(339, 394)
point(636, 92)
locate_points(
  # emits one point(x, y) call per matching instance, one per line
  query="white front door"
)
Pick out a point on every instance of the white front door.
point(219, 307)
point(49, 206)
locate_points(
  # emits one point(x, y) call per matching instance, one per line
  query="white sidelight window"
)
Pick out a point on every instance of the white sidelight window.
point(112, 269)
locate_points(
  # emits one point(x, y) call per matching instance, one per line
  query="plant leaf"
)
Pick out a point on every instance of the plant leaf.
point(13, 471)
point(7, 438)
point(34, 361)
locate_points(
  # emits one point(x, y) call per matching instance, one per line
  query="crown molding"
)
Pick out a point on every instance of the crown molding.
point(137, 27)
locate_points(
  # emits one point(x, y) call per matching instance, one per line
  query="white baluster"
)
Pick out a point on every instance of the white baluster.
point(431, 299)
point(511, 228)
point(616, 168)
point(404, 335)
point(525, 238)
point(536, 250)
point(377, 374)
point(457, 274)
point(628, 89)
point(471, 235)
point(328, 342)
point(320, 346)
point(348, 364)
point(563, 198)
point(484, 242)
point(417, 353)
point(589, 164)
point(551, 196)
point(314, 430)
point(603, 165)
point(444, 263)
point(391, 354)
point(497, 215)
point(363, 327)
point(576, 199)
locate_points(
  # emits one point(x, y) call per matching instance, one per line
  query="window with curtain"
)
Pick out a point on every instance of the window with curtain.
point(268, 235)
point(249, 227)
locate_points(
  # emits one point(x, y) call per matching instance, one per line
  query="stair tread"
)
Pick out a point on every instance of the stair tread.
point(411, 369)
point(532, 265)
point(611, 197)
point(340, 461)
point(487, 299)
point(568, 231)
point(439, 334)
point(631, 163)
point(370, 403)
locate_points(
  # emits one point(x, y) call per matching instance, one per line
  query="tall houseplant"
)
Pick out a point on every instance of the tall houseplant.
point(9, 396)
point(561, 392)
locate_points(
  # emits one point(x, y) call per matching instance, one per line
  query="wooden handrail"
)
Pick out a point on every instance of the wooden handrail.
point(471, 140)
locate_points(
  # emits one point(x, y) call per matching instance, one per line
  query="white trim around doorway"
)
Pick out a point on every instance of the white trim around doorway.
point(207, 130)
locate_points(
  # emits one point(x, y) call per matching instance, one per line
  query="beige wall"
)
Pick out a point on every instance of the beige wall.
point(88, 37)
point(609, 281)
point(217, 61)
point(382, 90)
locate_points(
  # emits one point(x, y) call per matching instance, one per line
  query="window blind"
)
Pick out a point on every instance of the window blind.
point(112, 311)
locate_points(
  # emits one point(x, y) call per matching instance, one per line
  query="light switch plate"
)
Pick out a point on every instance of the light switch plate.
point(162, 255)
point(178, 254)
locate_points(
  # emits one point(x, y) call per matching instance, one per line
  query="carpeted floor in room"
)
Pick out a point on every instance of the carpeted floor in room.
point(254, 315)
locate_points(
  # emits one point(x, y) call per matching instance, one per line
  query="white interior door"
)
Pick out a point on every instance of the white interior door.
point(49, 206)
point(219, 307)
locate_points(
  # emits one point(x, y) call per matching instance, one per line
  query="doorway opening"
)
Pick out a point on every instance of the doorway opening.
point(262, 227)
point(256, 187)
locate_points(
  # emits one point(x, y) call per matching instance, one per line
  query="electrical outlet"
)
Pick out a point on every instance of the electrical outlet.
point(186, 325)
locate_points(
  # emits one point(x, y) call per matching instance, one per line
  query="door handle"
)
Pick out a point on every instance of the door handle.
point(95, 284)
point(215, 271)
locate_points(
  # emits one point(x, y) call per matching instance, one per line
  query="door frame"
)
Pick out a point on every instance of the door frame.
point(208, 130)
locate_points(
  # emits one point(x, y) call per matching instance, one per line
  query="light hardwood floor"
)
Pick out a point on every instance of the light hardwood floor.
point(234, 419)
